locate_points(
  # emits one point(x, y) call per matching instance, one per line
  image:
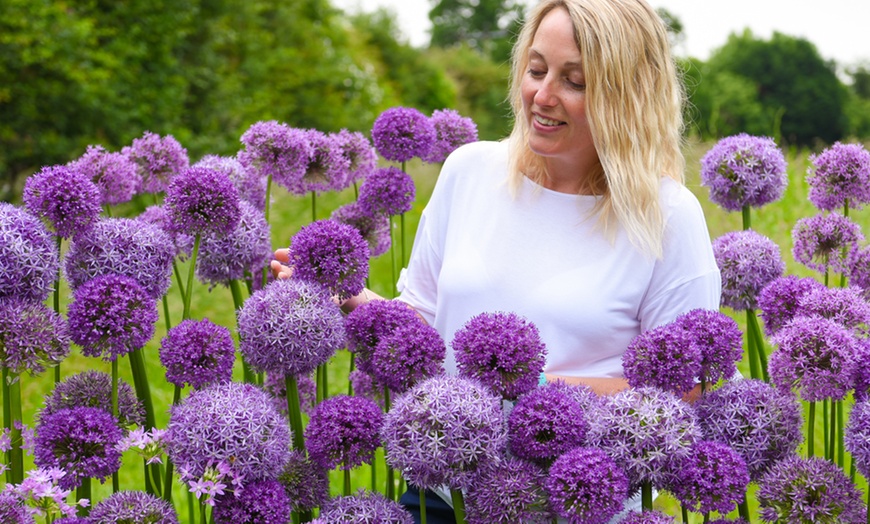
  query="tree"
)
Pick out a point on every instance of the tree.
point(488, 26)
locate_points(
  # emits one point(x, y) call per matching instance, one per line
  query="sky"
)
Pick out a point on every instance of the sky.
point(840, 29)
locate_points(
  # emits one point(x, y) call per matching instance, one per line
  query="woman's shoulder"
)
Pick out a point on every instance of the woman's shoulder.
point(677, 197)
point(482, 154)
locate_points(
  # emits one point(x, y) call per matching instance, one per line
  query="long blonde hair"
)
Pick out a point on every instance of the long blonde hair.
point(634, 100)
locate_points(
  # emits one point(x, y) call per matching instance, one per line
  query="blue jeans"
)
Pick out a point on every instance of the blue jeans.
point(437, 511)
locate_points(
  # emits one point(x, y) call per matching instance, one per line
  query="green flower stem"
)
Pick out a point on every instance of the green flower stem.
point(167, 479)
point(57, 302)
point(190, 272)
point(352, 368)
point(391, 474)
point(84, 492)
point(178, 279)
point(422, 493)
point(841, 444)
point(826, 429)
point(393, 259)
point(116, 485)
point(265, 271)
point(295, 412)
point(811, 422)
point(202, 518)
point(347, 482)
point(458, 505)
point(404, 259)
point(751, 349)
point(165, 301)
point(684, 512)
point(646, 497)
point(12, 413)
point(743, 510)
point(238, 302)
point(755, 329)
point(747, 219)
point(143, 392)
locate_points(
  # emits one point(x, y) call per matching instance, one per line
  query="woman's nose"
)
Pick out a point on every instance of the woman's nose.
point(545, 95)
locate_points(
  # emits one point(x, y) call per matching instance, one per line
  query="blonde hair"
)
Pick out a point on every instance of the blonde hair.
point(634, 100)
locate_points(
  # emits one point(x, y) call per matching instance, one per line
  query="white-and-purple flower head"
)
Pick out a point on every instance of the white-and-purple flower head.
point(262, 502)
point(779, 300)
point(858, 269)
point(387, 191)
point(664, 357)
point(413, 352)
point(331, 254)
point(748, 261)
point(370, 322)
point(402, 133)
point(328, 168)
point(65, 197)
point(156, 215)
point(343, 432)
point(366, 507)
point(513, 491)
point(250, 184)
point(306, 483)
point(275, 149)
point(159, 159)
point(857, 435)
point(823, 242)
point(840, 175)
point(29, 258)
point(744, 171)
point(451, 131)
point(361, 155)
point(238, 255)
point(94, 389)
point(115, 174)
point(860, 369)
point(586, 485)
point(13, 509)
point(199, 353)
point(202, 201)
point(845, 306)
point(719, 340)
point(713, 477)
point(375, 229)
point(133, 506)
point(32, 336)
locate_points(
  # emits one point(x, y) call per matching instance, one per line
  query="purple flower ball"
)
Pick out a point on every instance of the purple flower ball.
point(202, 201)
point(30, 258)
point(360, 154)
point(133, 506)
point(858, 270)
point(274, 149)
point(81, 441)
point(375, 229)
point(444, 430)
point(387, 191)
point(364, 385)
point(713, 477)
point(402, 133)
point(744, 170)
point(845, 306)
point(33, 338)
point(328, 168)
point(857, 436)
point(232, 423)
point(860, 369)
point(664, 357)
point(647, 517)
point(760, 422)
point(199, 353)
point(343, 431)
point(809, 490)
point(159, 159)
point(263, 502)
point(748, 261)
point(779, 300)
point(276, 386)
point(586, 485)
point(839, 175)
point(370, 322)
point(115, 174)
point(64, 196)
point(364, 508)
point(94, 389)
point(289, 328)
point(13, 509)
point(157, 216)
point(110, 316)
point(122, 246)
point(71, 520)
point(451, 131)
point(502, 350)
point(719, 339)
point(513, 491)
point(306, 484)
point(331, 254)
point(413, 352)
point(238, 255)
point(250, 184)
point(824, 242)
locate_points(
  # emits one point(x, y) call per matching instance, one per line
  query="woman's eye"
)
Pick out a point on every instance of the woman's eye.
point(535, 73)
point(576, 85)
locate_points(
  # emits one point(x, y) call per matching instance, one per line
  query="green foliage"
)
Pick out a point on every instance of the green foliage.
point(485, 25)
point(722, 103)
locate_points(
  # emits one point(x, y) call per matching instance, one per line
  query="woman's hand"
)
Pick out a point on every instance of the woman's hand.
point(279, 267)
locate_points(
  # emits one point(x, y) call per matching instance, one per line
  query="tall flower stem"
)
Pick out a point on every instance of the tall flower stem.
point(190, 272)
point(143, 392)
point(755, 332)
point(811, 423)
point(392, 259)
point(347, 482)
point(238, 302)
point(684, 513)
point(11, 414)
point(57, 303)
point(826, 429)
point(84, 492)
point(177, 273)
point(265, 271)
point(422, 493)
point(646, 497)
point(116, 485)
point(833, 434)
point(391, 476)
point(458, 505)
point(751, 349)
point(841, 444)
point(167, 480)
point(295, 412)
point(743, 510)
point(747, 219)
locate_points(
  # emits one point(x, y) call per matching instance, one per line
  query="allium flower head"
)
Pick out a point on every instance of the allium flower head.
point(236, 256)
point(94, 389)
point(664, 357)
point(713, 477)
point(845, 306)
point(744, 170)
point(748, 261)
point(111, 316)
point(824, 242)
point(306, 484)
point(444, 430)
point(232, 423)
point(364, 385)
point(343, 431)
point(275, 385)
point(275, 149)
point(370, 322)
point(375, 229)
point(760, 422)
point(159, 160)
point(202, 201)
point(250, 184)
point(857, 435)
point(645, 430)
point(156, 215)
point(586, 485)
point(263, 502)
point(198, 352)
point(511, 492)
point(779, 300)
point(133, 506)
point(13, 509)
point(840, 174)
point(331, 254)
point(451, 131)
point(32, 336)
point(28, 266)
point(860, 369)
point(82, 441)
point(502, 350)
point(122, 246)
point(718, 338)
point(360, 153)
point(366, 507)
point(327, 169)
point(387, 191)
point(289, 328)
point(402, 133)
point(798, 490)
point(64, 196)
point(647, 517)
point(115, 174)
point(410, 354)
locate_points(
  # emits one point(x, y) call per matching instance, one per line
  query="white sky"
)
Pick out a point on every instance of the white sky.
point(840, 29)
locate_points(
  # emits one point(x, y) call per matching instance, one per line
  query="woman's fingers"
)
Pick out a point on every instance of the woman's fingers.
point(278, 266)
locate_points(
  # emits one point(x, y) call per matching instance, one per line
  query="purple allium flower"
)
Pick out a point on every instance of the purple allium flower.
point(232, 423)
point(727, 521)
point(443, 430)
point(664, 357)
point(814, 357)
point(502, 350)
point(375, 229)
point(276, 385)
point(511, 492)
point(647, 517)
point(366, 507)
point(72, 520)
point(110, 316)
point(857, 435)
point(236, 256)
point(719, 339)
point(133, 506)
point(289, 328)
point(586, 485)
point(451, 131)
point(157, 216)
point(32, 336)
point(94, 389)
point(824, 242)
point(122, 246)
point(199, 353)
point(744, 170)
point(748, 261)
point(30, 260)
point(360, 153)
point(410, 354)
point(343, 431)
point(760, 422)
point(859, 270)
point(364, 385)
point(860, 369)
point(645, 430)
point(798, 490)
point(64, 196)
point(250, 184)
point(82, 441)
point(387, 191)
point(713, 477)
point(306, 484)
point(263, 502)
point(158, 160)
point(331, 254)
point(840, 174)
point(550, 420)
point(13, 509)
point(846, 306)
point(402, 133)
point(202, 201)
point(370, 322)
point(115, 174)
point(779, 300)
point(327, 169)
point(275, 149)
